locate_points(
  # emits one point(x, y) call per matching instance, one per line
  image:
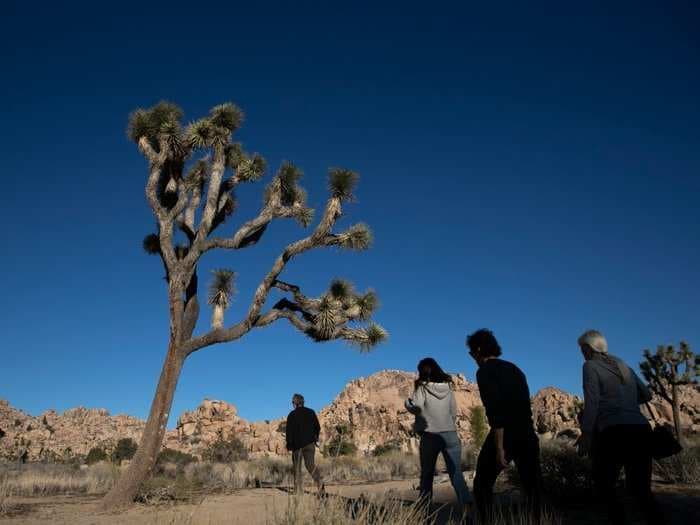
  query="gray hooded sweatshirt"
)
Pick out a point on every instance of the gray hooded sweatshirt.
point(434, 406)
point(612, 394)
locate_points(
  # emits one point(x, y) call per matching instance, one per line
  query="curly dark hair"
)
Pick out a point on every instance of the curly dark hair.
point(482, 343)
point(429, 371)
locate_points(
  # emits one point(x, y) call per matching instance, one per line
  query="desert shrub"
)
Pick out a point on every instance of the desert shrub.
point(682, 468)
point(225, 450)
point(469, 456)
point(168, 455)
point(125, 449)
point(45, 479)
point(157, 490)
point(389, 447)
point(478, 426)
point(96, 454)
point(339, 447)
point(566, 476)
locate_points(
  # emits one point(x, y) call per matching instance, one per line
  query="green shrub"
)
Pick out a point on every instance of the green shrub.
point(95, 455)
point(226, 450)
point(478, 425)
point(339, 447)
point(125, 449)
point(566, 476)
point(168, 455)
point(469, 456)
point(682, 468)
point(389, 447)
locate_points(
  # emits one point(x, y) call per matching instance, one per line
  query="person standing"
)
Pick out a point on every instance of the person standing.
point(433, 403)
point(302, 434)
point(512, 437)
point(613, 428)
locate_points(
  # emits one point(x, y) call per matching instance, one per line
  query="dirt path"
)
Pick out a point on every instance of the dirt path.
point(258, 506)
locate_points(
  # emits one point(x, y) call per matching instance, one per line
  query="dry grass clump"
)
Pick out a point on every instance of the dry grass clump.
point(683, 468)
point(379, 510)
point(50, 479)
point(274, 472)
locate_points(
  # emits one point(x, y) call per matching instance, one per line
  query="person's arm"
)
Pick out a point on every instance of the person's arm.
point(591, 400)
point(416, 403)
point(643, 393)
point(495, 411)
point(453, 406)
point(500, 449)
point(289, 430)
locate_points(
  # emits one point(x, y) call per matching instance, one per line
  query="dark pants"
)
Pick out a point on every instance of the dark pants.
point(446, 443)
point(524, 450)
point(306, 454)
point(627, 446)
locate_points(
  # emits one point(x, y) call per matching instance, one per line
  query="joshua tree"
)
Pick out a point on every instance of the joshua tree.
point(192, 175)
point(668, 369)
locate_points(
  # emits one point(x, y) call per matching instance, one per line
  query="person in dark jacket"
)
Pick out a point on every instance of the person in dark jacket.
point(506, 399)
point(614, 429)
point(302, 433)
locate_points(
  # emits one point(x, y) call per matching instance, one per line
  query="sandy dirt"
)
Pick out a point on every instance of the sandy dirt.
point(257, 506)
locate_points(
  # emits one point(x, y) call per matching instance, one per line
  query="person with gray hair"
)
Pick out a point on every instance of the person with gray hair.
point(302, 433)
point(613, 429)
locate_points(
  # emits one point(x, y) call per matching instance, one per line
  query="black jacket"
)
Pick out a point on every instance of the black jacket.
point(505, 396)
point(302, 428)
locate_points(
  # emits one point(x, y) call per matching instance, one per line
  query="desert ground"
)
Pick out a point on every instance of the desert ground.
point(275, 505)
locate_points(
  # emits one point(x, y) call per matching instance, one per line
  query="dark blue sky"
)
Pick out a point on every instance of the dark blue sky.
point(529, 168)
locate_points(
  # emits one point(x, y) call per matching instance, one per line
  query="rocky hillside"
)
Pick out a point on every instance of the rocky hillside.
point(368, 412)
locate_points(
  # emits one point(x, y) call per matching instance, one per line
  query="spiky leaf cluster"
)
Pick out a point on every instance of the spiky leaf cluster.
point(151, 244)
point(227, 116)
point(342, 304)
point(289, 176)
point(197, 174)
point(222, 287)
point(342, 182)
point(370, 337)
point(163, 118)
point(251, 168)
point(358, 237)
point(201, 134)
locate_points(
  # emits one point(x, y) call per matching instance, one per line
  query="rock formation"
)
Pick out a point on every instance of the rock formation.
point(368, 412)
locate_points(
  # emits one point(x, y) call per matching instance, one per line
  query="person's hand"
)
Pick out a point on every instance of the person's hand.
point(501, 457)
point(583, 444)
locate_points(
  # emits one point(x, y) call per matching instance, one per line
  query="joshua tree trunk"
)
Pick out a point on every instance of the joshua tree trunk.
point(676, 414)
point(144, 460)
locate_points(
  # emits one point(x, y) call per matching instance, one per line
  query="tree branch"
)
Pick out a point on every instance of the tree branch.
point(331, 214)
point(218, 166)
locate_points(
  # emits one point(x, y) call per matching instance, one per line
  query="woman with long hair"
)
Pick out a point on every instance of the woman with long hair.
point(614, 431)
point(433, 403)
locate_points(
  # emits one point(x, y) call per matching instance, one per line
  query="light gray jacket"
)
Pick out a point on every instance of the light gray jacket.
point(612, 394)
point(434, 406)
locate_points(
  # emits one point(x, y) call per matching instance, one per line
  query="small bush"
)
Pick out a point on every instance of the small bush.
point(226, 450)
point(125, 449)
point(478, 425)
point(95, 455)
point(339, 447)
point(682, 468)
point(470, 455)
point(566, 476)
point(389, 447)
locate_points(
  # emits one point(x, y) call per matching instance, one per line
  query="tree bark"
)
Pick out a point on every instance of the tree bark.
point(676, 414)
point(143, 462)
